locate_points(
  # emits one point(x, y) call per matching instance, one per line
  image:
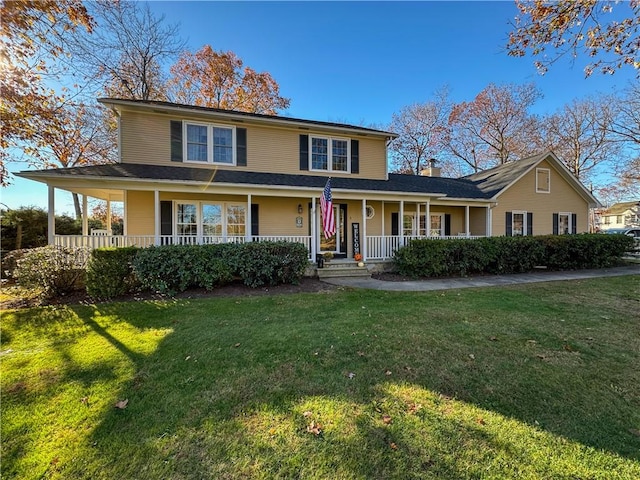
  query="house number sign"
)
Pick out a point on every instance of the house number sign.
point(299, 222)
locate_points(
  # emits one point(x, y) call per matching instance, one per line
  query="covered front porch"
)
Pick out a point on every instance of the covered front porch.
point(373, 225)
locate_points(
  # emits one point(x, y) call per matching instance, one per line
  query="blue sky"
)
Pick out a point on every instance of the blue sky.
point(359, 62)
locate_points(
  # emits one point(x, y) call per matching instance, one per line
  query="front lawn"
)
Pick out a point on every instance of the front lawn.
point(534, 381)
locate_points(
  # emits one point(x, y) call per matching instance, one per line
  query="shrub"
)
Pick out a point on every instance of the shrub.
point(110, 272)
point(165, 269)
point(213, 265)
point(54, 270)
point(174, 268)
point(500, 255)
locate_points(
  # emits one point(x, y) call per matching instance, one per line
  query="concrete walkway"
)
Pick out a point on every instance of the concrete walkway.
point(481, 281)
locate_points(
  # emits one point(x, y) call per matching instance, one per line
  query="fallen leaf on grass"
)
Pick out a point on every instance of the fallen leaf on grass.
point(386, 419)
point(387, 372)
point(236, 345)
point(568, 347)
point(307, 414)
point(122, 404)
point(314, 428)
point(541, 357)
point(481, 421)
point(493, 339)
point(85, 400)
point(350, 375)
point(393, 446)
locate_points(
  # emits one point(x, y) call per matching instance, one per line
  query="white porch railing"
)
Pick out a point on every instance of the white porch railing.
point(142, 241)
point(382, 247)
point(379, 247)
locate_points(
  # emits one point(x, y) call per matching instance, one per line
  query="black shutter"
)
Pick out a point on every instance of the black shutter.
point(241, 147)
point(255, 231)
point(556, 221)
point(529, 223)
point(355, 156)
point(394, 223)
point(508, 220)
point(304, 152)
point(447, 224)
point(574, 223)
point(176, 141)
point(166, 217)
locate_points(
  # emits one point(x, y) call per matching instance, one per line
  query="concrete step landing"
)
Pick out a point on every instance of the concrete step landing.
point(342, 269)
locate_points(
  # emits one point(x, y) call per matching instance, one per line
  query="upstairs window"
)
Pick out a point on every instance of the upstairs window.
point(209, 143)
point(543, 180)
point(329, 154)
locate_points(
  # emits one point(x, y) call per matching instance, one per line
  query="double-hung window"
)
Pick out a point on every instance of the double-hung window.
point(518, 225)
point(329, 154)
point(208, 143)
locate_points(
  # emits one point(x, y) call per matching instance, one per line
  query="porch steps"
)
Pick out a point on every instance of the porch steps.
point(347, 268)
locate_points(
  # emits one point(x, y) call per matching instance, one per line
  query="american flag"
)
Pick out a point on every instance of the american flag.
point(326, 208)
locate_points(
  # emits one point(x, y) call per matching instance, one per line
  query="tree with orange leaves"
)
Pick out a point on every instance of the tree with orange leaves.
point(214, 79)
point(570, 26)
point(30, 37)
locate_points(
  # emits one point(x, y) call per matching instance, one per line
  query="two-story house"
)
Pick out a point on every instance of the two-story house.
point(190, 174)
point(621, 215)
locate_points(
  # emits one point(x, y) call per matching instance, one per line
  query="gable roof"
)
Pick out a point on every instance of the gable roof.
point(495, 181)
point(157, 106)
point(621, 207)
point(397, 183)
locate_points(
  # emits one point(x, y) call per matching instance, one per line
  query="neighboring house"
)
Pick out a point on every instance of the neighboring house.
point(621, 215)
point(201, 175)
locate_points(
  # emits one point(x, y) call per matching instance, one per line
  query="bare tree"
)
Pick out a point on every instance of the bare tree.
point(128, 50)
point(579, 136)
point(495, 127)
point(422, 130)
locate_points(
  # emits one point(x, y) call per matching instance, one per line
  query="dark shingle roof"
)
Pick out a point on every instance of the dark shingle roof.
point(493, 181)
point(450, 187)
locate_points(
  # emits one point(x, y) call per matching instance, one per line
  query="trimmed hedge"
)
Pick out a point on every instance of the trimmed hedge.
point(500, 255)
point(170, 269)
point(110, 272)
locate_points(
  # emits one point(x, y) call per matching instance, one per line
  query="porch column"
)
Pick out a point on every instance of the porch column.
point(489, 221)
point(156, 203)
point(247, 220)
point(418, 218)
point(401, 224)
point(314, 239)
point(466, 220)
point(109, 231)
point(125, 210)
point(363, 239)
point(85, 217)
point(427, 214)
point(51, 215)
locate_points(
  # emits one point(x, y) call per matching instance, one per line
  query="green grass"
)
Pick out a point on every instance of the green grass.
point(535, 381)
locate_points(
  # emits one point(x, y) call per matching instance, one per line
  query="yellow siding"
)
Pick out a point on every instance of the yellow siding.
point(522, 196)
point(145, 138)
point(140, 216)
